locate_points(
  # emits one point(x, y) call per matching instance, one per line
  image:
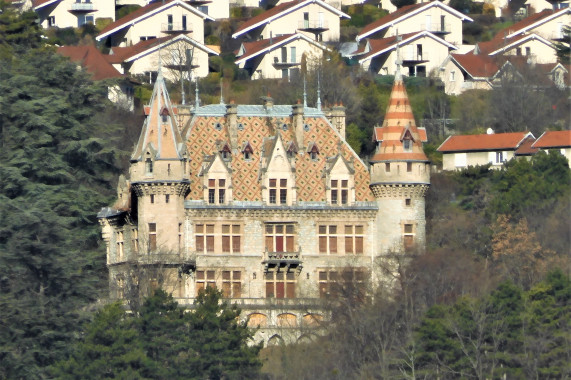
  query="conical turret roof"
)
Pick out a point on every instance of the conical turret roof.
point(398, 126)
point(160, 129)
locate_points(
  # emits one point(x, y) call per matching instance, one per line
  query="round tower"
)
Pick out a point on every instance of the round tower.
point(400, 176)
point(159, 177)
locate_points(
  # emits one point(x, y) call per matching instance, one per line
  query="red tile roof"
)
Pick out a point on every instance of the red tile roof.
point(40, 3)
point(92, 60)
point(528, 21)
point(525, 148)
point(269, 13)
point(252, 48)
point(379, 44)
point(122, 53)
point(553, 139)
point(477, 65)
point(133, 15)
point(390, 17)
point(483, 142)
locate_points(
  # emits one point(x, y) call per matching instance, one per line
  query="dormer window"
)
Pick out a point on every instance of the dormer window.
point(313, 151)
point(247, 151)
point(291, 150)
point(164, 115)
point(216, 191)
point(339, 192)
point(407, 145)
point(278, 191)
point(225, 152)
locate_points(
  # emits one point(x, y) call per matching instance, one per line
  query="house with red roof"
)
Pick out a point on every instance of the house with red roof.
point(72, 13)
point(459, 152)
point(555, 141)
point(548, 24)
point(434, 16)
point(179, 55)
point(157, 19)
point(278, 57)
point(119, 87)
point(314, 18)
point(419, 52)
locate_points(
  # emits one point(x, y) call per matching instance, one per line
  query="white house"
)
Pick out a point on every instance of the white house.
point(72, 13)
point(158, 19)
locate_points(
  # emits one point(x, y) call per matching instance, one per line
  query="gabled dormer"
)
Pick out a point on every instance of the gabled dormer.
point(247, 151)
point(313, 151)
point(339, 177)
point(291, 151)
point(225, 150)
point(407, 139)
point(277, 173)
point(216, 180)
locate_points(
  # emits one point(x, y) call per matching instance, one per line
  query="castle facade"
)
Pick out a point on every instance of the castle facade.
point(267, 203)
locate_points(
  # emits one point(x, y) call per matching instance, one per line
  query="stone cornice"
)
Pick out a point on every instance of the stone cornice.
point(399, 190)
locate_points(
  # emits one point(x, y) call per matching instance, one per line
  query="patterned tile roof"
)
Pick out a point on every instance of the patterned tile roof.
point(255, 125)
point(483, 142)
point(553, 139)
point(398, 125)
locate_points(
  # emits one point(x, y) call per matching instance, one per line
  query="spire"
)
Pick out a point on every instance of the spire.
point(318, 92)
point(160, 131)
point(196, 97)
point(398, 74)
point(221, 92)
point(304, 94)
point(399, 136)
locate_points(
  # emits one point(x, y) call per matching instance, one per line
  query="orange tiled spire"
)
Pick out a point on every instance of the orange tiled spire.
point(160, 129)
point(398, 126)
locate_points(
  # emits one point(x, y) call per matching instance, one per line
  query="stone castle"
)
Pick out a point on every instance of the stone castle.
point(267, 203)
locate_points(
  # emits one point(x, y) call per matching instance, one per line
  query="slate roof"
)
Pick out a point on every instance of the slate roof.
point(92, 60)
point(483, 142)
point(553, 139)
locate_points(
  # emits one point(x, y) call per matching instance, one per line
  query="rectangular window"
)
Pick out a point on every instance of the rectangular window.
point(499, 157)
point(120, 242)
point(387, 167)
point(204, 238)
point(152, 236)
point(205, 279)
point(278, 187)
point(183, 22)
point(231, 238)
point(328, 239)
point(167, 198)
point(216, 191)
point(169, 22)
point(292, 56)
point(280, 285)
point(528, 51)
point(409, 167)
point(408, 236)
point(339, 187)
point(231, 284)
point(135, 240)
point(152, 198)
point(280, 237)
point(52, 21)
point(333, 283)
point(354, 237)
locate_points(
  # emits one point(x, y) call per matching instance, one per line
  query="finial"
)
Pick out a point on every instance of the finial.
point(398, 75)
point(304, 93)
point(221, 92)
point(318, 92)
point(196, 97)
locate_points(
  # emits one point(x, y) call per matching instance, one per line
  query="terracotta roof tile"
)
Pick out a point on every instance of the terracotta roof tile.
point(122, 53)
point(133, 15)
point(40, 3)
point(527, 22)
point(525, 148)
point(477, 65)
point(379, 44)
point(553, 139)
point(92, 60)
point(482, 142)
point(252, 48)
point(267, 14)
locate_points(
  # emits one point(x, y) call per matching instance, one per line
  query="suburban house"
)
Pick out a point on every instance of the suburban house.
point(459, 152)
point(535, 47)
point(555, 141)
point(119, 87)
point(548, 24)
point(267, 203)
point(158, 19)
point(534, 6)
point(72, 13)
point(279, 57)
point(419, 52)
point(435, 17)
point(461, 72)
point(315, 18)
point(177, 54)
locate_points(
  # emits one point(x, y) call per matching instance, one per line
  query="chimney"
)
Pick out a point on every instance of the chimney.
point(268, 102)
point(337, 118)
point(297, 114)
point(232, 123)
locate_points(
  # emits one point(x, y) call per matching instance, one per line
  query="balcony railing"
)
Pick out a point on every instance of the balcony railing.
point(282, 261)
point(176, 27)
point(284, 63)
point(266, 303)
point(82, 7)
point(436, 28)
point(312, 25)
point(415, 57)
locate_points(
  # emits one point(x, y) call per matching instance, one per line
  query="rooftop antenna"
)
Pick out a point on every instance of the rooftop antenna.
point(304, 94)
point(318, 92)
